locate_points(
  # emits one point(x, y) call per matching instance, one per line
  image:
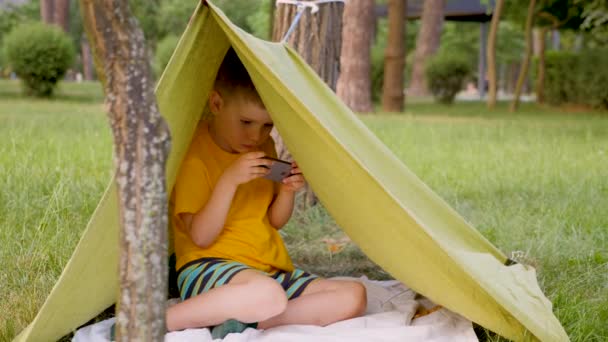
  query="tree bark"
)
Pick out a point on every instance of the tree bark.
point(87, 60)
point(56, 12)
point(523, 72)
point(141, 145)
point(427, 44)
point(394, 58)
point(491, 54)
point(540, 71)
point(318, 39)
point(47, 8)
point(61, 15)
point(354, 83)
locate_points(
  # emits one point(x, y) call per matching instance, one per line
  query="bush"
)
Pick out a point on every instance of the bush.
point(164, 51)
point(577, 78)
point(445, 74)
point(40, 55)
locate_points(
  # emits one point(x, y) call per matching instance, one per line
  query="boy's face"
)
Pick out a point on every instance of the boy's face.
point(240, 125)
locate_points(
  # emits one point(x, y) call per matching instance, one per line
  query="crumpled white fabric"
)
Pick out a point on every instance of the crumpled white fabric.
point(389, 317)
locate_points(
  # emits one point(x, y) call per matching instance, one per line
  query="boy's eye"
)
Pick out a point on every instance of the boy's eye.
point(268, 125)
point(245, 122)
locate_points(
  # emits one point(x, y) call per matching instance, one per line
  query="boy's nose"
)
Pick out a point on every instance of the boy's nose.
point(255, 136)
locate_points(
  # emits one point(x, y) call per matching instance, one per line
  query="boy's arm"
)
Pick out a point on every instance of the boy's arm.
point(281, 208)
point(206, 224)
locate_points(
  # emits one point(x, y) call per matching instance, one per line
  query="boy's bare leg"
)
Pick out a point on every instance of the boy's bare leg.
point(323, 302)
point(250, 296)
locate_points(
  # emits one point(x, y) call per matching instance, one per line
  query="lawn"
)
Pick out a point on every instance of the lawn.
point(534, 182)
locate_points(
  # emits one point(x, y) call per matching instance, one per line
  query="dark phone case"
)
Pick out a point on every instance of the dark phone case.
point(279, 170)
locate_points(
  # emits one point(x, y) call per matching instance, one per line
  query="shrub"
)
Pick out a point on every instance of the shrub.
point(164, 51)
point(40, 55)
point(577, 78)
point(445, 74)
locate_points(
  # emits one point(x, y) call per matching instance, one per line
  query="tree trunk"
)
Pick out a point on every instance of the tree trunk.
point(354, 84)
point(141, 145)
point(491, 54)
point(540, 72)
point(47, 9)
point(61, 15)
point(427, 44)
point(87, 60)
point(526, 61)
point(394, 58)
point(56, 12)
point(318, 39)
point(271, 10)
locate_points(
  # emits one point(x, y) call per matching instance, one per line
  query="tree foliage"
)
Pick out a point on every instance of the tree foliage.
point(12, 15)
point(40, 55)
point(445, 74)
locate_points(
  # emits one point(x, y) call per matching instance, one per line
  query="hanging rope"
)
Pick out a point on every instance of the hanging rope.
point(301, 6)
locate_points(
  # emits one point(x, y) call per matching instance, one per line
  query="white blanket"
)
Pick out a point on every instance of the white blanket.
point(389, 317)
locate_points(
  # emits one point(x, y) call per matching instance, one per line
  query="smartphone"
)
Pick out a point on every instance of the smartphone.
point(279, 170)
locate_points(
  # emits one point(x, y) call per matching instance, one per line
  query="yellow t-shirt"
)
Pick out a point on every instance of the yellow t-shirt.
point(247, 236)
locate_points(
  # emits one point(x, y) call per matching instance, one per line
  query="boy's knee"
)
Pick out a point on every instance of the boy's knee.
point(358, 299)
point(269, 297)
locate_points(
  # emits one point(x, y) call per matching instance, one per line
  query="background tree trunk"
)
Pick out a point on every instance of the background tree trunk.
point(540, 70)
point(354, 83)
point(318, 39)
point(141, 146)
point(47, 9)
point(61, 15)
point(491, 54)
point(56, 12)
point(394, 58)
point(523, 72)
point(427, 44)
point(87, 60)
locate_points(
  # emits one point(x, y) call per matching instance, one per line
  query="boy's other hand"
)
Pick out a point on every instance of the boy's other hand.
point(247, 167)
point(295, 181)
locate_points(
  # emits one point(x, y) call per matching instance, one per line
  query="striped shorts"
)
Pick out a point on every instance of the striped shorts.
point(202, 275)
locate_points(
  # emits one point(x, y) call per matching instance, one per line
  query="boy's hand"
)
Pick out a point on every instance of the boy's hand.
point(247, 167)
point(295, 181)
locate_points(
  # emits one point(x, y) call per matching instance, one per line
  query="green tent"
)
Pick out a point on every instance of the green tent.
point(392, 215)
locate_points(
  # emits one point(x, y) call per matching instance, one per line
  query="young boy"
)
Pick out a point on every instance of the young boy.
point(233, 267)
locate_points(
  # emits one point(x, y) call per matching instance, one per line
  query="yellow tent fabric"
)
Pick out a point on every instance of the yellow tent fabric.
point(392, 215)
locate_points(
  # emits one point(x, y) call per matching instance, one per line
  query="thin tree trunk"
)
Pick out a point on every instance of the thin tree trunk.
point(354, 84)
point(394, 58)
point(427, 44)
point(271, 10)
point(141, 146)
point(87, 60)
point(491, 54)
point(526, 62)
point(318, 39)
point(540, 75)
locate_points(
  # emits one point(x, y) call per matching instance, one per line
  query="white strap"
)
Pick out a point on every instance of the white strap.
point(302, 4)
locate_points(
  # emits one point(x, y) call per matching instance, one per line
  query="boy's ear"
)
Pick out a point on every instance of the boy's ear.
point(216, 102)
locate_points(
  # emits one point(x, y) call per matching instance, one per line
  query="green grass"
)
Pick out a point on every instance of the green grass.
point(535, 181)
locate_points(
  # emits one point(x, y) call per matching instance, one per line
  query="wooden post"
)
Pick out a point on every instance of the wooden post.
point(141, 146)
